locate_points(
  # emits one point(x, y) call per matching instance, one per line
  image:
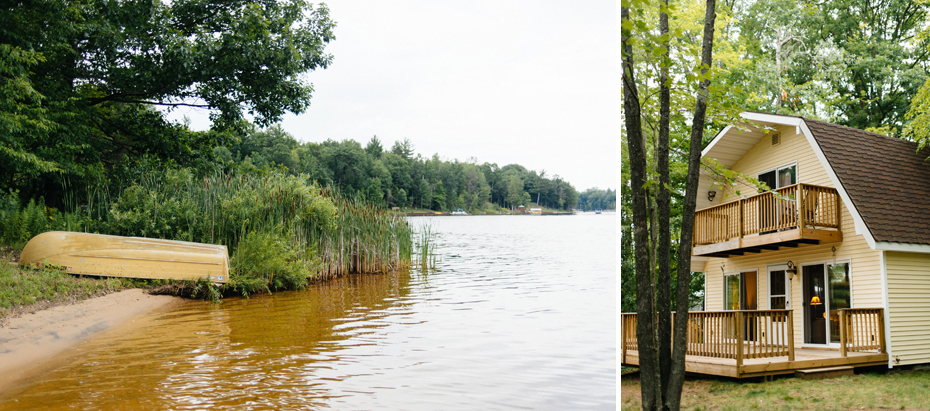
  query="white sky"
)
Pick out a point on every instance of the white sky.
point(525, 82)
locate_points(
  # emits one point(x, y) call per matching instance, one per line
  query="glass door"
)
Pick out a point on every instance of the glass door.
point(826, 291)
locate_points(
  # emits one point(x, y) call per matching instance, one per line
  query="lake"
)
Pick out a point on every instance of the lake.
point(519, 313)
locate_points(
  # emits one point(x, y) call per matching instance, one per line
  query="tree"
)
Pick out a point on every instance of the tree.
point(374, 148)
point(514, 191)
point(662, 369)
point(91, 72)
point(403, 149)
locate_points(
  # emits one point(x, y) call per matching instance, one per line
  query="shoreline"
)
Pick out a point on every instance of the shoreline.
point(30, 342)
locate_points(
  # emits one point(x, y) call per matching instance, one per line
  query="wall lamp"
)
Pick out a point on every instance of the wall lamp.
point(792, 269)
point(711, 195)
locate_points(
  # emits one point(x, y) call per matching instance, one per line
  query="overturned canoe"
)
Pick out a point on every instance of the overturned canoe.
point(133, 257)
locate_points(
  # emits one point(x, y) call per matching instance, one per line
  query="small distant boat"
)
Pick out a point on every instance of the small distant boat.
point(131, 257)
point(459, 212)
point(597, 211)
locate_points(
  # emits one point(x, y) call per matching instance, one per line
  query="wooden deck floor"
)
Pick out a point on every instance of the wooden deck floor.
point(804, 358)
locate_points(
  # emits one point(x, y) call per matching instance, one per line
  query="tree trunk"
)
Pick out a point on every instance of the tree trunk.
point(663, 203)
point(677, 378)
point(645, 329)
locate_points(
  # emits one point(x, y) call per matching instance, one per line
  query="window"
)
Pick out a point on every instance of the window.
point(739, 291)
point(777, 290)
point(780, 177)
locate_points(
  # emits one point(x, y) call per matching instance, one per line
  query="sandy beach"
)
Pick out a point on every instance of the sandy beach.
point(29, 342)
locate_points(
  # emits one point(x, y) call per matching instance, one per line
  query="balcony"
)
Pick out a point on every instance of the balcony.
point(757, 343)
point(786, 217)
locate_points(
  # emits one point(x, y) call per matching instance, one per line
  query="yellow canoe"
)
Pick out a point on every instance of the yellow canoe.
point(133, 257)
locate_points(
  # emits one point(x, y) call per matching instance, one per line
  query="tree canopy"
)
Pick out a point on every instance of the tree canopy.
point(80, 80)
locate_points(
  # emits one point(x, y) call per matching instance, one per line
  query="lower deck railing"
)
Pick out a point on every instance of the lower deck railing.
point(745, 334)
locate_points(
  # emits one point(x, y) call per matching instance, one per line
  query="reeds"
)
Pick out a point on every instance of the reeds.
point(426, 248)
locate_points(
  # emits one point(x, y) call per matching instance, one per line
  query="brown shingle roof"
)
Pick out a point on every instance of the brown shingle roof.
point(886, 178)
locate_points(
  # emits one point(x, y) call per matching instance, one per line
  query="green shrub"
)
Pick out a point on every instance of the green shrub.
point(267, 261)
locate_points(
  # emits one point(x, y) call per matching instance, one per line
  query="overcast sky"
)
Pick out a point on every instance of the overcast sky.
point(525, 82)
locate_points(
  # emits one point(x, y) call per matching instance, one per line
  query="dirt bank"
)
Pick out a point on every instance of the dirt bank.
point(29, 342)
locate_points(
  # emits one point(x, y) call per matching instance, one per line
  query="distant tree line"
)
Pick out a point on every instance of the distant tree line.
point(398, 177)
point(593, 199)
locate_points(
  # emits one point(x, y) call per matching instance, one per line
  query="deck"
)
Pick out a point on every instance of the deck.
point(786, 217)
point(765, 345)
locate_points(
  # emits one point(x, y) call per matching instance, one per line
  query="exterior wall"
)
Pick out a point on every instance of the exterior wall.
point(764, 156)
point(908, 306)
point(865, 263)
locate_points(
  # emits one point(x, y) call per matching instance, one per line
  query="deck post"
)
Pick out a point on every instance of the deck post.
point(740, 229)
point(800, 207)
point(623, 338)
point(881, 330)
point(842, 333)
point(791, 335)
point(739, 342)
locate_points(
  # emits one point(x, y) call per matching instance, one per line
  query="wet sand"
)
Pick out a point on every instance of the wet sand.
point(29, 343)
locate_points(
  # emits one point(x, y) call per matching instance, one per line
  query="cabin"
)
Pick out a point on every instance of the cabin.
point(830, 268)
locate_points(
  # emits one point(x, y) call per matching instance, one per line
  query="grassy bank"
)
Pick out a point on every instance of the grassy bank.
point(25, 290)
point(895, 389)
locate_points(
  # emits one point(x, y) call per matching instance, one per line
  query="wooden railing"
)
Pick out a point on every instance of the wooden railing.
point(729, 334)
point(861, 329)
point(813, 206)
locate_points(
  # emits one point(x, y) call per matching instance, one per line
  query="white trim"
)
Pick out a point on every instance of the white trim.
point(716, 139)
point(884, 271)
point(861, 228)
point(905, 247)
point(772, 118)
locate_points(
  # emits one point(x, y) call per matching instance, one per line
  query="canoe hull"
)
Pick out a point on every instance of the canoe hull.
point(131, 257)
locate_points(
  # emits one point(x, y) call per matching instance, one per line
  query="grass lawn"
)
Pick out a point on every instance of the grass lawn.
point(894, 390)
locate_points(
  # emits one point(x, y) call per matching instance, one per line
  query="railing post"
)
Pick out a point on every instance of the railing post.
point(623, 337)
point(881, 329)
point(740, 230)
point(791, 335)
point(842, 333)
point(800, 207)
point(739, 342)
point(836, 200)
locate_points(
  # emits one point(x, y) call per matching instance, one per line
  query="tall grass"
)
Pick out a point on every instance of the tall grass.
point(366, 239)
point(281, 231)
point(426, 248)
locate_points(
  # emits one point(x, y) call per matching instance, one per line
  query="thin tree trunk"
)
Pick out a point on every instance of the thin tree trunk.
point(663, 203)
point(677, 378)
point(645, 335)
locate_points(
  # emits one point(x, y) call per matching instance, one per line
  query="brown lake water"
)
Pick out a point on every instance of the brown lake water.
point(519, 314)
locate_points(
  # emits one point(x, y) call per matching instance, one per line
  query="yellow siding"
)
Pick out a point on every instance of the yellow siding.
point(865, 266)
point(909, 306)
point(764, 157)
